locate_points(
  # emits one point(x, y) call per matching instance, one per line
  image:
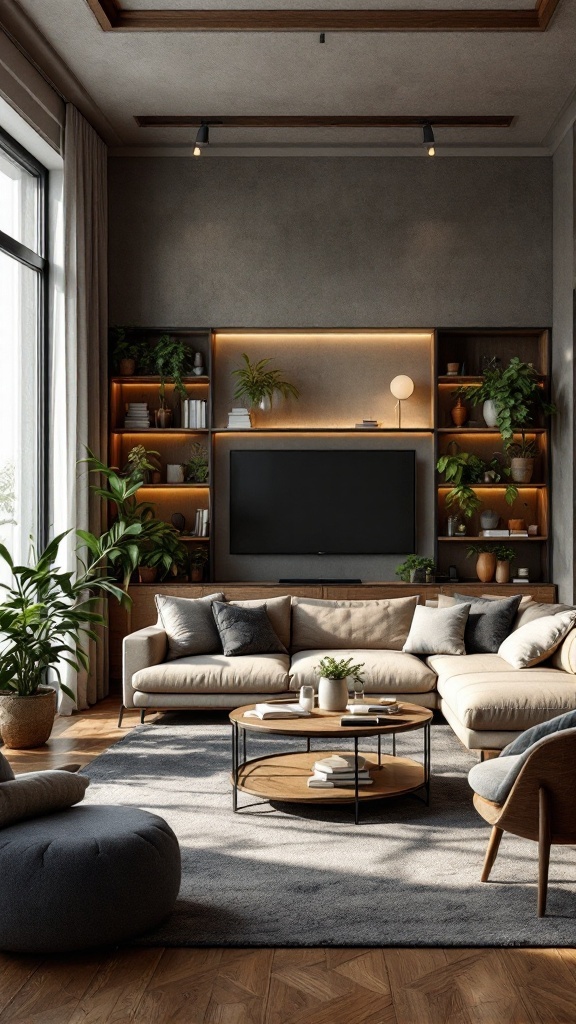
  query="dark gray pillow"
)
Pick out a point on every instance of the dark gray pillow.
point(489, 622)
point(189, 625)
point(6, 773)
point(245, 630)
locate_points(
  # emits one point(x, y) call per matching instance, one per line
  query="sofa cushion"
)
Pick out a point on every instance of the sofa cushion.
point(489, 622)
point(438, 630)
point(507, 700)
point(343, 625)
point(278, 610)
point(564, 656)
point(536, 641)
point(245, 630)
point(383, 672)
point(189, 624)
point(215, 673)
point(537, 610)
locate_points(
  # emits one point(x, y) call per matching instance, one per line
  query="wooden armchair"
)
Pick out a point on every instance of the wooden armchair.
point(541, 805)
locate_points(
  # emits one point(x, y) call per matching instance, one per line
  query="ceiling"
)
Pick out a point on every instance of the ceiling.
point(529, 75)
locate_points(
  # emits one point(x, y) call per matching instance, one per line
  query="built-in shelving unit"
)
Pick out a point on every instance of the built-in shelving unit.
point(470, 348)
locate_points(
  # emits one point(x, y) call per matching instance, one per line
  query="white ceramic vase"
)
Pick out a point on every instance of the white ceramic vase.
point(490, 413)
point(333, 694)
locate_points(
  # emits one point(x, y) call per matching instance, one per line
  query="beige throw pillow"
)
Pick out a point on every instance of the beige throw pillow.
point(438, 630)
point(564, 656)
point(342, 625)
point(36, 793)
point(537, 640)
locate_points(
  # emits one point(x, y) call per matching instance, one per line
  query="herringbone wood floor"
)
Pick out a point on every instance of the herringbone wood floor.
point(273, 986)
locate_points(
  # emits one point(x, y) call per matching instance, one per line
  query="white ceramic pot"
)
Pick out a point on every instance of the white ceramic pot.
point(490, 413)
point(333, 694)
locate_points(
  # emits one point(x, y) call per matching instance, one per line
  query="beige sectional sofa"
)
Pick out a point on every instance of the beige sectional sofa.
point(485, 700)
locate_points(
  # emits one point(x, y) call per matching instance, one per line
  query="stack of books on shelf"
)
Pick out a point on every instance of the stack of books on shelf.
point(201, 523)
point(194, 413)
point(337, 771)
point(367, 425)
point(494, 533)
point(137, 416)
point(239, 419)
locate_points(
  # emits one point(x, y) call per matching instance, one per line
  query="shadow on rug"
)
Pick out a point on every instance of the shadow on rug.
point(289, 875)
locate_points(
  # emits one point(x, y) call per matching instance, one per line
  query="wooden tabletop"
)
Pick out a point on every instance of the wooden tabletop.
point(327, 723)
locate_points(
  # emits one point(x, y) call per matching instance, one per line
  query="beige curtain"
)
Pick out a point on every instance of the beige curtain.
point(80, 377)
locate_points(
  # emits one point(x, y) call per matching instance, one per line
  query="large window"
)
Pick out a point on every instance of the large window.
point(23, 349)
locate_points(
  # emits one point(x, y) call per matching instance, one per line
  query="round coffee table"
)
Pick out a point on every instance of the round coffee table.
point(283, 776)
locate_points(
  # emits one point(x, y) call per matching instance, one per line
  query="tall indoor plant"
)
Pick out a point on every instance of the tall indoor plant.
point(46, 615)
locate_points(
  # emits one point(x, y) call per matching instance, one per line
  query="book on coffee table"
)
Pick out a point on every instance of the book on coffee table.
point(273, 710)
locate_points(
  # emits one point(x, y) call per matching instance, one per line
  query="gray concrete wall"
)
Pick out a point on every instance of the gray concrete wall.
point(331, 242)
point(563, 551)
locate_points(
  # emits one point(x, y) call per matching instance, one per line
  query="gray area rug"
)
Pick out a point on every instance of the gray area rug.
point(285, 875)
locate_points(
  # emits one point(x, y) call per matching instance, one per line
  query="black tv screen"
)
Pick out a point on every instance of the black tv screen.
point(322, 502)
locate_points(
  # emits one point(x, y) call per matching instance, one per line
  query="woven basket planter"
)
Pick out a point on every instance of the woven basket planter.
point(26, 722)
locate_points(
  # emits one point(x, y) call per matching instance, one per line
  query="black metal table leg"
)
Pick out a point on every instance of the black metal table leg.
point(308, 745)
point(393, 744)
point(356, 794)
point(427, 743)
point(379, 750)
point(234, 766)
point(244, 745)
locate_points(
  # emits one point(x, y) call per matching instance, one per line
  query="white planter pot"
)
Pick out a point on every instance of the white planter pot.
point(333, 694)
point(490, 413)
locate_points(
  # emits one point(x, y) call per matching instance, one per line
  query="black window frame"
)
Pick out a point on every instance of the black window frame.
point(37, 261)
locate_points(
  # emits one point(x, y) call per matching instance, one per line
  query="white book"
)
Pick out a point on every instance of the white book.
point(494, 533)
point(339, 763)
point(518, 533)
point(338, 778)
point(277, 710)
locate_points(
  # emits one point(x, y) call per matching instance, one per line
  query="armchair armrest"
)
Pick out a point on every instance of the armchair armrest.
point(140, 650)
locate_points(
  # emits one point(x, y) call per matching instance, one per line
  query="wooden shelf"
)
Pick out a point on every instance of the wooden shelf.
point(171, 487)
point(487, 430)
point(475, 379)
point(492, 487)
point(161, 430)
point(323, 430)
point(187, 539)
point(203, 379)
point(492, 540)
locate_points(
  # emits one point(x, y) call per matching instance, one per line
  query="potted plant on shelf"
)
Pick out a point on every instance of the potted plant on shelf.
point(198, 560)
point(464, 470)
point(416, 569)
point(124, 350)
point(196, 469)
point(336, 677)
point(172, 359)
point(143, 464)
point(258, 385)
point(522, 455)
point(509, 396)
point(504, 556)
point(485, 560)
point(45, 615)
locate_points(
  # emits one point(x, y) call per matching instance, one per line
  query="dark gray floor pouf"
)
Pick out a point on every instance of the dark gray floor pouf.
point(87, 876)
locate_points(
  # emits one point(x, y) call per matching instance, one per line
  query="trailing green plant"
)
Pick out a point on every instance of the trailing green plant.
point(332, 668)
point(413, 562)
point(156, 543)
point(46, 614)
point(255, 382)
point(464, 469)
point(172, 360)
point(196, 469)
point(516, 393)
point(504, 553)
point(141, 462)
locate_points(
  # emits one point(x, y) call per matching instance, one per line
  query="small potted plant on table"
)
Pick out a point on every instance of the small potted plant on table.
point(336, 677)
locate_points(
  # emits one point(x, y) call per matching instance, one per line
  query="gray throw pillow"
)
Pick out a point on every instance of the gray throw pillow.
point(36, 793)
point(6, 773)
point(245, 630)
point(489, 622)
point(189, 625)
point(437, 630)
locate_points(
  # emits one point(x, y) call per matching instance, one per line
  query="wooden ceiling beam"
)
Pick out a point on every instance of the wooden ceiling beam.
point(112, 18)
point(321, 121)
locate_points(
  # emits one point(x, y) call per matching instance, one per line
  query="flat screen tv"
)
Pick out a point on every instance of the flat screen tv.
point(322, 502)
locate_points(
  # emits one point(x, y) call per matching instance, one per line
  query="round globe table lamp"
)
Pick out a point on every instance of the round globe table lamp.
point(401, 387)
